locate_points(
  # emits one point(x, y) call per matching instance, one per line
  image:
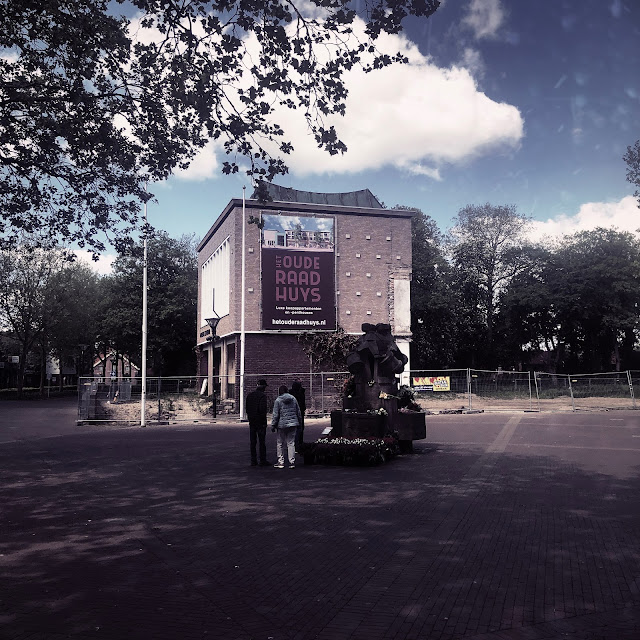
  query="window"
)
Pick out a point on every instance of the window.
point(215, 280)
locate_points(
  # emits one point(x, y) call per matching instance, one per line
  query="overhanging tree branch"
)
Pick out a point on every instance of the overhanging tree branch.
point(74, 67)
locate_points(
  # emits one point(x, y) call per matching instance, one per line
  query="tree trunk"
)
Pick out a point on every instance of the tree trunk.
point(43, 369)
point(60, 378)
point(21, 367)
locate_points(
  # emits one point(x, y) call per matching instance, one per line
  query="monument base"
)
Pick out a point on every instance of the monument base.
point(410, 426)
point(363, 425)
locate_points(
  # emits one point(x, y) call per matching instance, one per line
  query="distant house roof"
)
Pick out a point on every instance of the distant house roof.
point(362, 198)
point(101, 357)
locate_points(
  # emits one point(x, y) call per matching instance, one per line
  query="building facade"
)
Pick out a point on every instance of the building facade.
point(312, 262)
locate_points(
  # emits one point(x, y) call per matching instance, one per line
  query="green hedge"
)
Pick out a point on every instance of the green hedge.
point(33, 393)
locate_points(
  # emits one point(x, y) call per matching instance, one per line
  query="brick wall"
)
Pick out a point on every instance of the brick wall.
point(372, 250)
point(274, 353)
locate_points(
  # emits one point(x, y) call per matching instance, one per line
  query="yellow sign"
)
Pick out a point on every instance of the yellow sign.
point(432, 383)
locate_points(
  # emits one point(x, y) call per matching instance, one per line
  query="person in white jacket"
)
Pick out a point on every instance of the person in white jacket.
point(286, 419)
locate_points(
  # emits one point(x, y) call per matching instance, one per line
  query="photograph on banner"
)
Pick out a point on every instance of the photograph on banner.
point(431, 383)
point(298, 273)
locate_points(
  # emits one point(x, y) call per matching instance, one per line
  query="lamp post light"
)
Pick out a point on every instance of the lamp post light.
point(213, 323)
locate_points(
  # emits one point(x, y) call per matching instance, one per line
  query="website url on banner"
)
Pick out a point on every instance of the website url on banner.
point(306, 323)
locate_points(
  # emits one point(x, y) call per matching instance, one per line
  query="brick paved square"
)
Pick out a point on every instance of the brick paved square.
point(167, 532)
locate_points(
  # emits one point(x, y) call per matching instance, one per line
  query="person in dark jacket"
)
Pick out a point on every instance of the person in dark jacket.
point(286, 419)
point(297, 391)
point(256, 406)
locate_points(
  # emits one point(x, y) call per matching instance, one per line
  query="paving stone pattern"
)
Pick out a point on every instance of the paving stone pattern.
point(515, 526)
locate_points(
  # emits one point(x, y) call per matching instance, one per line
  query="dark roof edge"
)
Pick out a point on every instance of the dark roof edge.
point(360, 198)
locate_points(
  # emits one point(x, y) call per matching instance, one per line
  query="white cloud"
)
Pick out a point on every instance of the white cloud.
point(484, 18)
point(104, 266)
point(203, 166)
point(472, 60)
point(415, 117)
point(616, 8)
point(418, 169)
point(623, 214)
point(408, 116)
point(9, 55)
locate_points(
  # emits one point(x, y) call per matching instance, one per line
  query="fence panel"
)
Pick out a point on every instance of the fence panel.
point(176, 399)
point(441, 389)
point(554, 391)
point(501, 390)
point(611, 390)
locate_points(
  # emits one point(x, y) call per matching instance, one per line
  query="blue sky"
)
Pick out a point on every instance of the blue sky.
point(507, 102)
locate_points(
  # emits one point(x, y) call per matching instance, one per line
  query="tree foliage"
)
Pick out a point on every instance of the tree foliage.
point(47, 303)
point(172, 305)
point(594, 282)
point(94, 103)
point(434, 302)
point(491, 298)
point(577, 302)
point(526, 320)
point(632, 158)
point(72, 301)
point(327, 350)
point(487, 252)
point(24, 277)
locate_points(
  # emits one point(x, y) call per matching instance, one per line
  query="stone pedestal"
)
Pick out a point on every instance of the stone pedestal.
point(336, 424)
point(363, 425)
point(410, 426)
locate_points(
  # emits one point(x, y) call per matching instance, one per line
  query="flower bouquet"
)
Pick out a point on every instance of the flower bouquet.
point(351, 451)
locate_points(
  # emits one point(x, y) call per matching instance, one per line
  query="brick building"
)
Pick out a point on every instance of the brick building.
point(321, 260)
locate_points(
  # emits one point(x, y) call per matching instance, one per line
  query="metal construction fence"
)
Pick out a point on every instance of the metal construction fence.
point(188, 399)
point(474, 389)
point(119, 399)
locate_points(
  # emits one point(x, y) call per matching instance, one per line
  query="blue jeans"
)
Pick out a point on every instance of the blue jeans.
point(286, 438)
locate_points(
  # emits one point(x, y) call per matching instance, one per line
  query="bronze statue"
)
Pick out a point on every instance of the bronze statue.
point(374, 362)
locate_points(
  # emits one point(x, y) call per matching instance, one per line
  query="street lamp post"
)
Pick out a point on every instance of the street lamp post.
point(143, 397)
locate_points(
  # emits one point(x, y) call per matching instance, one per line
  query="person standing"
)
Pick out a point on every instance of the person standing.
point(286, 419)
point(256, 406)
point(298, 392)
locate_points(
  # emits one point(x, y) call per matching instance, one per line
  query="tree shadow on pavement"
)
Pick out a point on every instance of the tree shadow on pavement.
point(170, 534)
